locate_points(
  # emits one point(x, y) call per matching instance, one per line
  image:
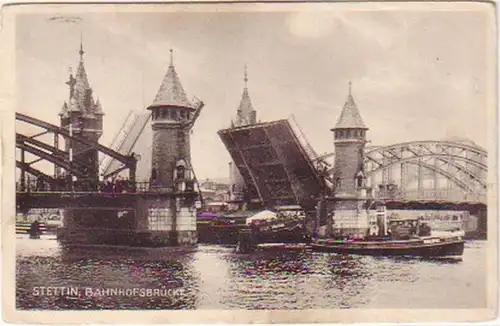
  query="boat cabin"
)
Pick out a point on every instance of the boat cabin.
point(406, 228)
point(215, 207)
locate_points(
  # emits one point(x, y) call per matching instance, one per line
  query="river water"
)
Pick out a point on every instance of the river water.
point(215, 277)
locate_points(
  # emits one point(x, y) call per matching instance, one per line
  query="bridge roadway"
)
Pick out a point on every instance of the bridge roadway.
point(103, 200)
point(91, 200)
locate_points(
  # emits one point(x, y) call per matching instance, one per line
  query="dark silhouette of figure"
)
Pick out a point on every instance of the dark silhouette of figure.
point(154, 176)
point(35, 230)
point(425, 230)
point(40, 184)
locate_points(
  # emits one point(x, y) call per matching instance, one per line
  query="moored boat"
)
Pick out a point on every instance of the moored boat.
point(401, 237)
point(430, 246)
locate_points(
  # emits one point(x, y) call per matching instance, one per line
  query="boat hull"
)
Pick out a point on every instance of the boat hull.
point(440, 249)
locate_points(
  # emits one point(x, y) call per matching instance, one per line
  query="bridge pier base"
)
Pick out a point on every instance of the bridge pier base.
point(126, 219)
point(171, 221)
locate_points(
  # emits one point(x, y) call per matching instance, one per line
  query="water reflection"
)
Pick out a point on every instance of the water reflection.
point(102, 268)
point(215, 277)
point(293, 280)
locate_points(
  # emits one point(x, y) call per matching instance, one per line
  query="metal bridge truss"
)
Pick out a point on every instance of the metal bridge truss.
point(58, 157)
point(463, 166)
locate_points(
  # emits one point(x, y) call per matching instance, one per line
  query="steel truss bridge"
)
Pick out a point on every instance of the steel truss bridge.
point(51, 152)
point(436, 171)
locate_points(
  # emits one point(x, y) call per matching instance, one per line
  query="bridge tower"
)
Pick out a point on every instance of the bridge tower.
point(245, 115)
point(82, 116)
point(349, 175)
point(172, 116)
point(170, 110)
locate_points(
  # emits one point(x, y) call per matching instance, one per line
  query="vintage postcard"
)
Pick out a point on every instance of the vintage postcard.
point(249, 162)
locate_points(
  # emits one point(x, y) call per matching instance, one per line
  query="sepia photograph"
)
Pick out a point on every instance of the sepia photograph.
point(251, 157)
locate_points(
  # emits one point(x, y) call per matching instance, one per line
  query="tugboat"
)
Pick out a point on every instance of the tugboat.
point(402, 237)
point(284, 227)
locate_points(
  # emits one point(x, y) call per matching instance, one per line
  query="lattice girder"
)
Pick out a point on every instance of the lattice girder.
point(462, 164)
point(451, 160)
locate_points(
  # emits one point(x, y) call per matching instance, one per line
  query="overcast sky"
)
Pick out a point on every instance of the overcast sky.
point(415, 75)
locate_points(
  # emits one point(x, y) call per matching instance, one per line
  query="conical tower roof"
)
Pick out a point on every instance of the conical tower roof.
point(171, 92)
point(81, 82)
point(246, 112)
point(245, 102)
point(350, 117)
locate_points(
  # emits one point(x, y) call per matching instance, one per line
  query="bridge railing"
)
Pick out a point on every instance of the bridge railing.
point(90, 186)
point(450, 195)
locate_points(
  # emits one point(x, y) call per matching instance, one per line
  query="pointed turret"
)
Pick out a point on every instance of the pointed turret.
point(64, 110)
point(171, 92)
point(350, 117)
point(80, 92)
point(246, 114)
point(98, 108)
point(81, 105)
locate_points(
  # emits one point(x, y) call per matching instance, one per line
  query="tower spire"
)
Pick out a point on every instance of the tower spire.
point(245, 79)
point(246, 114)
point(81, 47)
point(171, 58)
point(350, 88)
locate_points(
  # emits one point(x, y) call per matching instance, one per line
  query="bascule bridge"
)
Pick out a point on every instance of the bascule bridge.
point(280, 167)
point(118, 211)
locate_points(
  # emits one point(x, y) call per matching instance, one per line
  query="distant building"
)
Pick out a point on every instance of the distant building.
point(214, 191)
